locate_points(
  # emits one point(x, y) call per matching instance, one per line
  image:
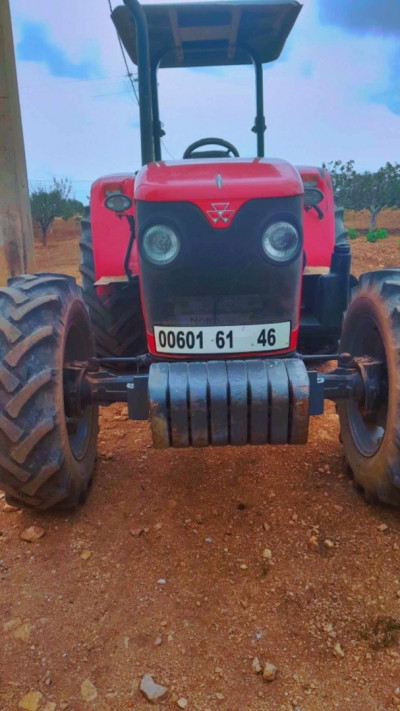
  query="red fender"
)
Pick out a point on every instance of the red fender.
point(319, 235)
point(110, 233)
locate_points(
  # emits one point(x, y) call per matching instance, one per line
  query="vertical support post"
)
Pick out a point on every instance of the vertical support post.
point(16, 234)
point(157, 130)
point(144, 79)
point(259, 127)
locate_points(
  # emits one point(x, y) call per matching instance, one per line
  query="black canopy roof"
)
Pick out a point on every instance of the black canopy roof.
point(210, 33)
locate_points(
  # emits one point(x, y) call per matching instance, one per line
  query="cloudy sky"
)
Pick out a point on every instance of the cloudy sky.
point(334, 93)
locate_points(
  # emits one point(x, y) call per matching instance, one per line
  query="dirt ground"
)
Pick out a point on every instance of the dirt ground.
point(189, 565)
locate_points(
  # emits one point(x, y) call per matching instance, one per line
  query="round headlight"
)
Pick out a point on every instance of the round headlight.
point(160, 244)
point(280, 241)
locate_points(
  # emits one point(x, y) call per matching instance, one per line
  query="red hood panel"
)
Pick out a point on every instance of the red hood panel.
point(218, 181)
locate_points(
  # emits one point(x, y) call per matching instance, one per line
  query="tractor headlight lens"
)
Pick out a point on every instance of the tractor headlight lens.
point(161, 244)
point(118, 202)
point(280, 241)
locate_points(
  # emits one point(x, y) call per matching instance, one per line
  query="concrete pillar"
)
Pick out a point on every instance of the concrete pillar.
point(16, 235)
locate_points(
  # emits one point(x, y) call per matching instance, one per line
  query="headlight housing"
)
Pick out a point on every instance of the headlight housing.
point(161, 244)
point(118, 202)
point(280, 241)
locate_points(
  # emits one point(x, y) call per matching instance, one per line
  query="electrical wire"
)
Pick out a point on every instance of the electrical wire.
point(128, 73)
point(130, 77)
point(62, 81)
point(166, 150)
point(51, 180)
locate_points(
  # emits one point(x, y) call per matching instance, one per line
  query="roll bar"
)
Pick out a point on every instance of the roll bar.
point(150, 126)
point(144, 78)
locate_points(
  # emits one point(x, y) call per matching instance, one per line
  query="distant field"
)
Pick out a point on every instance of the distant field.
point(62, 251)
point(60, 229)
point(387, 219)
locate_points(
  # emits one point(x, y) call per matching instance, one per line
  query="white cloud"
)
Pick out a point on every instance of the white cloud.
point(316, 102)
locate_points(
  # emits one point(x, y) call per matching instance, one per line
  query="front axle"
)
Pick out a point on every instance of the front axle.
point(234, 402)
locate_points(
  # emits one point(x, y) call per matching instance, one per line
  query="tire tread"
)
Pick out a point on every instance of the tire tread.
point(116, 315)
point(382, 289)
point(34, 470)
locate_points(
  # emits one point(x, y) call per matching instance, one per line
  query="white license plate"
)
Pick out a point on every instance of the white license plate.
point(222, 339)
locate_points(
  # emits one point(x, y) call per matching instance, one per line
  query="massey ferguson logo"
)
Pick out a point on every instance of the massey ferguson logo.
point(220, 211)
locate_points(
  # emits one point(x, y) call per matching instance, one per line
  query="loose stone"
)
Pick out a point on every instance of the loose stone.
point(88, 690)
point(32, 534)
point(338, 651)
point(151, 690)
point(31, 701)
point(269, 672)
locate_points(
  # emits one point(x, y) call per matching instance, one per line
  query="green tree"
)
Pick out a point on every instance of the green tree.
point(52, 202)
point(365, 191)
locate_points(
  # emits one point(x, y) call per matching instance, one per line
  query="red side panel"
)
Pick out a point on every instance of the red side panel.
point(319, 235)
point(110, 234)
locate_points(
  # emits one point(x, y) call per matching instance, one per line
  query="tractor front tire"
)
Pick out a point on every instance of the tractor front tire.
point(46, 458)
point(115, 312)
point(372, 443)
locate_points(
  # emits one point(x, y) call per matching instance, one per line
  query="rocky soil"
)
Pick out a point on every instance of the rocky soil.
point(249, 579)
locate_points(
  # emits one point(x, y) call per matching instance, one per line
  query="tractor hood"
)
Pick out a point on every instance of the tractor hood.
point(217, 180)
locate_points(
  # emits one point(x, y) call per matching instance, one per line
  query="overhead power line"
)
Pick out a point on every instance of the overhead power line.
point(166, 150)
point(130, 76)
point(63, 81)
point(51, 180)
point(128, 72)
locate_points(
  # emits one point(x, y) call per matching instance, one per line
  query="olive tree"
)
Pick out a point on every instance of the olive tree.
point(372, 191)
point(47, 203)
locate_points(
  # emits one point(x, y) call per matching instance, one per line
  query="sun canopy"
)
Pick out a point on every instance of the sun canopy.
point(210, 33)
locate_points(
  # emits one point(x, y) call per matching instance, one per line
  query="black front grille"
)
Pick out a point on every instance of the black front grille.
point(221, 276)
point(217, 311)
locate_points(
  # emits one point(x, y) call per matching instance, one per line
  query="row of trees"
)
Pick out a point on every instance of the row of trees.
point(47, 203)
point(365, 191)
point(353, 191)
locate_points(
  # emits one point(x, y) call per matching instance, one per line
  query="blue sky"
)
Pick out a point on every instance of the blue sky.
point(35, 45)
point(334, 94)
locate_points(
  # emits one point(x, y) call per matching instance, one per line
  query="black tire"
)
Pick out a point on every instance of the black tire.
point(46, 460)
point(372, 444)
point(116, 313)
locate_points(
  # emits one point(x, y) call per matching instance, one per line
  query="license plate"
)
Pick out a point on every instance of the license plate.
point(222, 339)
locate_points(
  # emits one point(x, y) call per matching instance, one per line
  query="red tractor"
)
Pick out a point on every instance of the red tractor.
point(211, 285)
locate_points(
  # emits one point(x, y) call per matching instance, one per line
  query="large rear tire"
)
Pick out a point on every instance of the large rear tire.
point(46, 458)
point(116, 312)
point(372, 442)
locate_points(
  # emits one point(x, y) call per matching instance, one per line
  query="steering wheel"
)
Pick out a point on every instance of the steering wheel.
point(230, 149)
